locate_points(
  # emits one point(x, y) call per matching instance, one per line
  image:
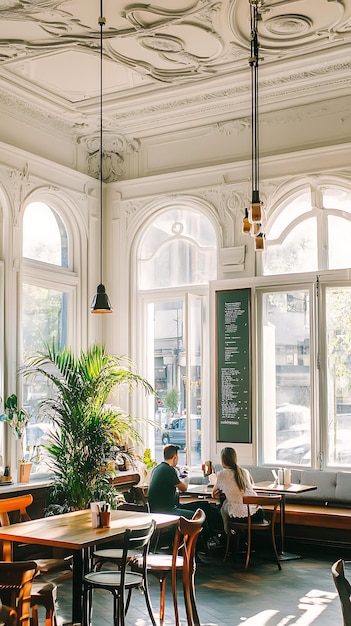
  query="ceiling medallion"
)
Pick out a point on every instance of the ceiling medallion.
point(289, 25)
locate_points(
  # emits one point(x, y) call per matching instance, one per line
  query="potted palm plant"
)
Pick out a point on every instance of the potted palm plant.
point(86, 430)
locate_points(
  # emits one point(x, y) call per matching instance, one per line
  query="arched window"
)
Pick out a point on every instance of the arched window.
point(47, 290)
point(307, 238)
point(305, 335)
point(177, 252)
point(44, 235)
point(178, 248)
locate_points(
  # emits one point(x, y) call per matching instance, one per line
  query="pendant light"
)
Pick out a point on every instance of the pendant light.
point(253, 217)
point(100, 302)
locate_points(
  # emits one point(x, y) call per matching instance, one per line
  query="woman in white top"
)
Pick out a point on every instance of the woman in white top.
point(234, 482)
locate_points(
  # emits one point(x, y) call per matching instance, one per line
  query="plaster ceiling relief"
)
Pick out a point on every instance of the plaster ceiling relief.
point(167, 65)
point(115, 147)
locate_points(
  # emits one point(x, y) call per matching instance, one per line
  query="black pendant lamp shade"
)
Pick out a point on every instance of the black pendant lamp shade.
point(100, 302)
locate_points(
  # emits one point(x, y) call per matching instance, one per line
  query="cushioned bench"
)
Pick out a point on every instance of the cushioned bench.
point(320, 516)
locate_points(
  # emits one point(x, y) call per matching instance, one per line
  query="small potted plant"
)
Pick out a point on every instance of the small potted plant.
point(149, 464)
point(18, 419)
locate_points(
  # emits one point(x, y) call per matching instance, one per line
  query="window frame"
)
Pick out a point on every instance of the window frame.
point(51, 276)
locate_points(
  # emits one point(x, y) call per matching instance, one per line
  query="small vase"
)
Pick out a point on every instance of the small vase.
point(24, 472)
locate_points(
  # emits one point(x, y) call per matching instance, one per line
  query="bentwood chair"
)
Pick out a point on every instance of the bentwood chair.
point(249, 527)
point(43, 593)
point(15, 591)
point(181, 559)
point(344, 590)
point(122, 582)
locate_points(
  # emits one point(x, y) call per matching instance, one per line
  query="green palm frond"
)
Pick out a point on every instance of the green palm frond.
point(85, 426)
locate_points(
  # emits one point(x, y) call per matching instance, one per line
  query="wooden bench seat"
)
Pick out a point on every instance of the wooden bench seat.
point(318, 516)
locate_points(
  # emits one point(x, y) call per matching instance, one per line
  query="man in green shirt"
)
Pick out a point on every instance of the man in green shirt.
point(165, 481)
point(163, 495)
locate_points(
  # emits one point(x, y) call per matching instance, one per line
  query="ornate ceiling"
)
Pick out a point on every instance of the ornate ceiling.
point(167, 65)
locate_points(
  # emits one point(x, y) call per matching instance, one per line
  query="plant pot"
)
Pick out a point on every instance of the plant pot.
point(24, 472)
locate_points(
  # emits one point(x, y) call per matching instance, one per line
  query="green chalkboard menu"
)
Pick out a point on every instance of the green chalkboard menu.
point(233, 366)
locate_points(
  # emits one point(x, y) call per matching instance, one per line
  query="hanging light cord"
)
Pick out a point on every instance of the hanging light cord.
point(254, 59)
point(101, 302)
point(102, 22)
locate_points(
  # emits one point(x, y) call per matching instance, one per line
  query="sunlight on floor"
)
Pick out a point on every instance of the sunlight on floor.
point(312, 604)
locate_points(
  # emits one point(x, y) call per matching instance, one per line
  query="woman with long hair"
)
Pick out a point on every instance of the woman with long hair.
point(233, 482)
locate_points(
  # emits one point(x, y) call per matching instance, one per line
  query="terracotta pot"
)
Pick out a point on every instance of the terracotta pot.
point(24, 472)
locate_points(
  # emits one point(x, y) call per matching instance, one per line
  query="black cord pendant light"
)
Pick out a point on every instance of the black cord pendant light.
point(252, 222)
point(100, 302)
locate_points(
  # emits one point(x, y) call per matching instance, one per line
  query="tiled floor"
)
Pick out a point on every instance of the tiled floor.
point(302, 594)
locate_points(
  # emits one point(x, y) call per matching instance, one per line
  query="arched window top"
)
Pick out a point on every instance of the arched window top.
point(292, 210)
point(178, 248)
point(45, 236)
point(307, 238)
point(336, 198)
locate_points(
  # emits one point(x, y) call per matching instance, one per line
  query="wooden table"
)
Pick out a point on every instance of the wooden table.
point(74, 531)
point(283, 490)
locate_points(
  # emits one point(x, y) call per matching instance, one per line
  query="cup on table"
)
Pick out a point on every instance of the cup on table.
point(105, 519)
point(212, 479)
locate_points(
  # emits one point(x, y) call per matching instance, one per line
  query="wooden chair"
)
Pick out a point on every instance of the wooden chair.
point(249, 527)
point(123, 581)
point(182, 558)
point(43, 593)
point(15, 590)
point(344, 590)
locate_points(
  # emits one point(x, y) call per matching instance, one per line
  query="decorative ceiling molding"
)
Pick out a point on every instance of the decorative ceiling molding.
point(115, 147)
point(166, 69)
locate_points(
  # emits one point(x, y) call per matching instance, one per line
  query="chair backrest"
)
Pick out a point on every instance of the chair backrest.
point(132, 506)
point(186, 536)
point(137, 540)
point(261, 500)
point(16, 587)
point(17, 504)
point(344, 590)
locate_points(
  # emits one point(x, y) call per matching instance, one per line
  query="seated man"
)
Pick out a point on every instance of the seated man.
point(163, 495)
point(165, 481)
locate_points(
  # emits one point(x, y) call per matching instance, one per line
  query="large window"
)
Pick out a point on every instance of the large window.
point(305, 335)
point(45, 304)
point(177, 252)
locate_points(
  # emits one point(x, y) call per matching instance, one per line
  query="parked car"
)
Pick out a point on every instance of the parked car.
point(175, 432)
point(295, 450)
